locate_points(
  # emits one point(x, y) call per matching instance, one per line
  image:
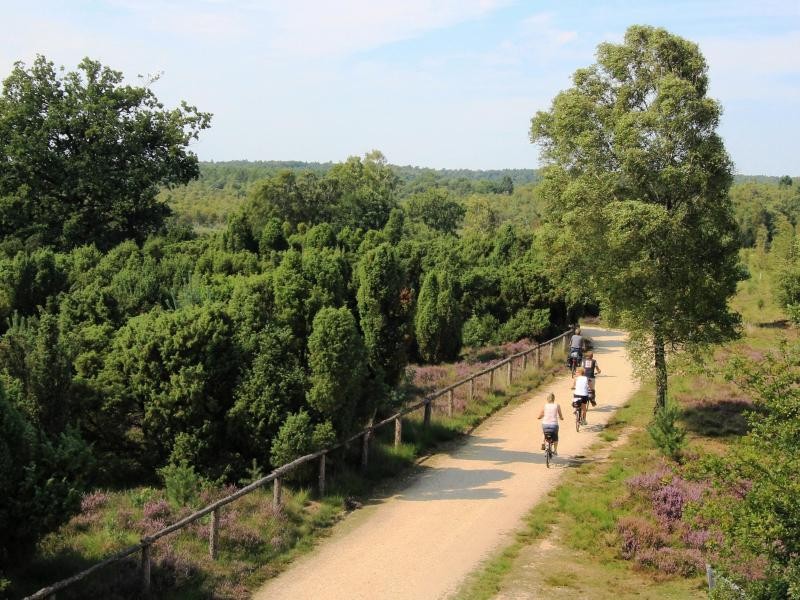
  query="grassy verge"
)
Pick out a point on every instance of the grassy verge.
point(602, 532)
point(256, 541)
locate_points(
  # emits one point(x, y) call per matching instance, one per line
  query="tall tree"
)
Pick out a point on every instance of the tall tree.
point(84, 155)
point(636, 181)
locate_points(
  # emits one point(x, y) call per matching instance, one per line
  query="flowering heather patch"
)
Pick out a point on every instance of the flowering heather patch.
point(173, 568)
point(242, 536)
point(700, 538)
point(152, 525)
point(652, 480)
point(429, 377)
point(156, 509)
point(673, 561)
point(92, 502)
point(637, 535)
point(125, 519)
point(668, 504)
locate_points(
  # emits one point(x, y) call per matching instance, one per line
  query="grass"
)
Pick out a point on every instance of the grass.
point(569, 545)
point(256, 541)
point(576, 525)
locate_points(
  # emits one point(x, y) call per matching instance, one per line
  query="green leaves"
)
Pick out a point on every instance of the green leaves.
point(636, 188)
point(84, 155)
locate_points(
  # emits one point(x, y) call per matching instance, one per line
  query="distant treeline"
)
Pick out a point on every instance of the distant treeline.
point(223, 186)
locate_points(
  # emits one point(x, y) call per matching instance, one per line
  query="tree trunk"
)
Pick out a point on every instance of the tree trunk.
point(661, 370)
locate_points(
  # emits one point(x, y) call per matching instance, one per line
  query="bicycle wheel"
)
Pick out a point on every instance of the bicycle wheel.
point(548, 454)
point(578, 419)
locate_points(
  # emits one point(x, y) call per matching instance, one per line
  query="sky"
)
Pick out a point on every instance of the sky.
point(432, 83)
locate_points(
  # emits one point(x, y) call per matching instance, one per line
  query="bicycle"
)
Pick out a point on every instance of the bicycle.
point(573, 360)
point(548, 449)
point(576, 405)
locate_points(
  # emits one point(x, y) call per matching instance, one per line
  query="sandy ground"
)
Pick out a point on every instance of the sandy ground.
point(464, 504)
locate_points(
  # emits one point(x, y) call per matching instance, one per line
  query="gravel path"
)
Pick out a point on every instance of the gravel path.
point(464, 504)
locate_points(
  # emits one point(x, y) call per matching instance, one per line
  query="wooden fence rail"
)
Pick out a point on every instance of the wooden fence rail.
point(276, 476)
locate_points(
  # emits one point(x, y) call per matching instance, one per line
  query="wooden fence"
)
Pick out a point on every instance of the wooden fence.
point(516, 363)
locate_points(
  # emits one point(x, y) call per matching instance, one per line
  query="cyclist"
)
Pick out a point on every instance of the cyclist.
point(590, 368)
point(581, 387)
point(576, 344)
point(549, 415)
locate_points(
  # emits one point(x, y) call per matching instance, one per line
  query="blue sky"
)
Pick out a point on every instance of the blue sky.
point(447, 83)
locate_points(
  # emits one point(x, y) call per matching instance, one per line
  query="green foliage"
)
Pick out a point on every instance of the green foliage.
point(636, 188)
point(27, 281)
point(438, 321)
point(666, 433)
point(759, 510)
point(169, 373)
point(337, 361)
point(41, 480)
point(480, 330)
point(271, 388)
point(436, 209)
point(298, 436)
point(181, 482)
point(70, 179)
point(382, 314)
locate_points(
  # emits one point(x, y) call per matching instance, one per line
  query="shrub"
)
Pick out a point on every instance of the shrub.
point(638, 534)
point(182, 483)
point(480, 330)
point(667, 435)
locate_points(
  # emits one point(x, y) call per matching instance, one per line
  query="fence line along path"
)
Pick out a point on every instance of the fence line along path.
point(464, 504)
point(534, 356)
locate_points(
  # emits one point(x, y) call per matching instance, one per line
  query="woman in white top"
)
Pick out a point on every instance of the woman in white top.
point(550, 414)
point(581, 387)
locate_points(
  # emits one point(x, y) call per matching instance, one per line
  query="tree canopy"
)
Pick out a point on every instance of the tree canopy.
point(636, 182)
point(84, 155)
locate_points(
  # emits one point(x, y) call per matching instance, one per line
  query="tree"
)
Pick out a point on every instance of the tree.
point(438, 320)
point(84, 156)
point(381, 312)
point(435, 208)
point(636, 181)
point(337, 359)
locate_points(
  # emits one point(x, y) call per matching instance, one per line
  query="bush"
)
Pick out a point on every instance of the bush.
point(667, 435)
point(526, 323)
point(182, 483)
point(480, 330)
point(297, 437)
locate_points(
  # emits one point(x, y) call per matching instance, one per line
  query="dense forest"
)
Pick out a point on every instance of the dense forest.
point(132, 346)
point(159, 315)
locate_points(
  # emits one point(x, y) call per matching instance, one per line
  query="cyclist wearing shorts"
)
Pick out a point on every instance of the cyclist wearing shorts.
point(549, 415)
point(590, 368)
point(576, 344)
point(581, 387)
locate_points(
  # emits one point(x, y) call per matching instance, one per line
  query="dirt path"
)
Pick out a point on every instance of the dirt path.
point(423, 541)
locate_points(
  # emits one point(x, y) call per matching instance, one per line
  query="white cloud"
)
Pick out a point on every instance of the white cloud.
point(323, 29)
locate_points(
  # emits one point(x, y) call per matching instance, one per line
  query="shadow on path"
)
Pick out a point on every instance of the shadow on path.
point(452, 483)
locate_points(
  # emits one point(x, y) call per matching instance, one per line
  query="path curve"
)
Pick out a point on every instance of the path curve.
point(465, 503)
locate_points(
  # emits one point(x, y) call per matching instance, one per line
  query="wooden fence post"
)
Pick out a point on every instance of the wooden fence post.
point(145, 567)
point(213, 535)
point(398, 431)
point(566, 343)
point(365, 450)
point(509, 373)
point(491, 380)
point(450, 403)
point(322, 475)
point(427, 418)
point(525, 362)
point(539, 355)
point(471, 389)
point(277, 489)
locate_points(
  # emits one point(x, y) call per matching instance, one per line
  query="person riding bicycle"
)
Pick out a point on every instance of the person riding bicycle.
point(576, 344)
point(590, 368)
point(550, 414)
point(581, 387)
